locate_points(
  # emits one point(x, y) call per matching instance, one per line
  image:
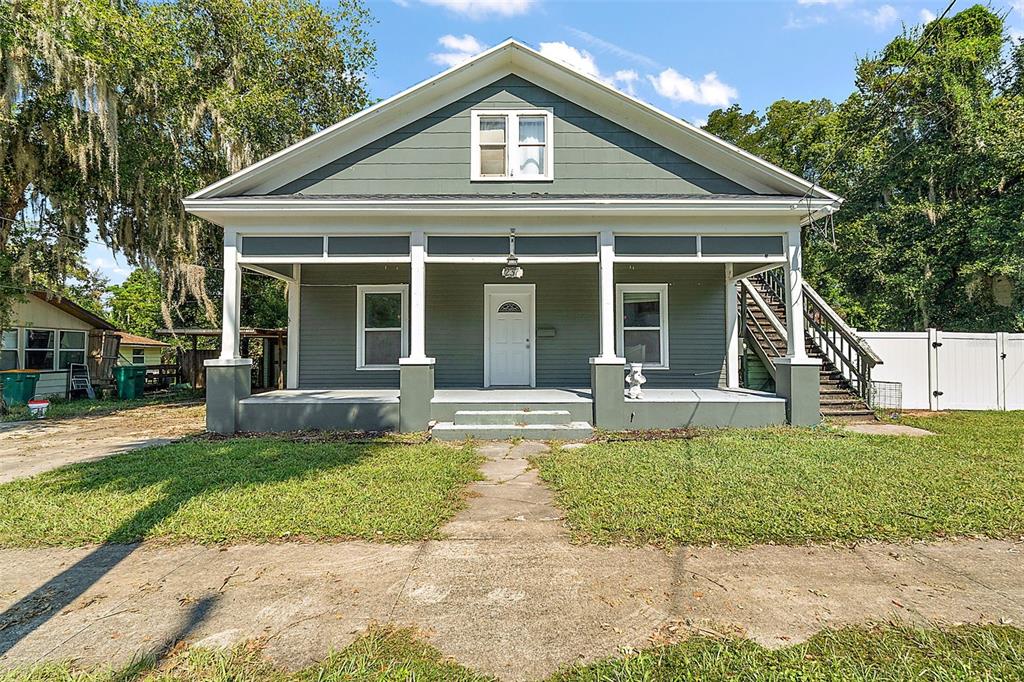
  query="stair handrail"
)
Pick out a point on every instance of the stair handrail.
point(763, 306)
point(840, 324)
point(839, 343)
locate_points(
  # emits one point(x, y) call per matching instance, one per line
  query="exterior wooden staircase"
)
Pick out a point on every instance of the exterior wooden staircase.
point(846, 360)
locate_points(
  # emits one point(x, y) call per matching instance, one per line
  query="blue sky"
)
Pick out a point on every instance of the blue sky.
point(685, 57)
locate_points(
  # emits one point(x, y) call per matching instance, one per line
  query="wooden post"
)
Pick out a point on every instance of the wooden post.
point(279, 356)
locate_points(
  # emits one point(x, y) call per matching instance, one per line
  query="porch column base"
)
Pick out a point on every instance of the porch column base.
point(228, 380)
point(416, 385)
point(796, 380)
point(607, 386)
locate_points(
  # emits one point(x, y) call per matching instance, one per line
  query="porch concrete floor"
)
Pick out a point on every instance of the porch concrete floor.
point(511, 395)
point(334, 395)
point(503, 591)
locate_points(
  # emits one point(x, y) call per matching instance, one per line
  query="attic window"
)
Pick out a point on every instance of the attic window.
point(512, 145)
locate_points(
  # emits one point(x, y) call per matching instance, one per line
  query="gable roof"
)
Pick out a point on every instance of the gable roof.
point(512, 57)
point(73, 309)
point(136, 340)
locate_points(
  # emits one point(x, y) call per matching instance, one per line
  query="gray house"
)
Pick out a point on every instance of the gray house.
point(493, 250)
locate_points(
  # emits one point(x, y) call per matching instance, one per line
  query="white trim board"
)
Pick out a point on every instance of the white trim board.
point(663, 327)
point(512, 141)
point(362, 289)
point(514, 289)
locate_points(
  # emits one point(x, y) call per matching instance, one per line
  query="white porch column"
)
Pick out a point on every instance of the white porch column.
point(732, 331)
point(794, 296)
point(417, 296)
point(232, 298)
point(294, 301)
point(607, 293)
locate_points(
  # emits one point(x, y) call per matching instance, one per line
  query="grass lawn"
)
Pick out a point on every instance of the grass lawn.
point(379, 655)
point(891, 653)
point(244, 489)
point(80, 407)
point(878, 655)
point(797, 485)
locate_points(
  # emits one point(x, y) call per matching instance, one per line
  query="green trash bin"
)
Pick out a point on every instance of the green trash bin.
point(19, 385)
point(131, 381)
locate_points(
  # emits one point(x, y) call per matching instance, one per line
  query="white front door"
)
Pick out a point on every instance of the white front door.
point(509, 335)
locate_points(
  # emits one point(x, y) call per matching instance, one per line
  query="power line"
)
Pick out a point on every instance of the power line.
point(881, 94)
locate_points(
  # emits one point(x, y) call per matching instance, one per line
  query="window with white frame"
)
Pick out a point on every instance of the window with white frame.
point(71, 350)
point(40, 349)
point(9, 349)
point(512, 145)
point(643, 324)
point(382, 332)
point(138, 356)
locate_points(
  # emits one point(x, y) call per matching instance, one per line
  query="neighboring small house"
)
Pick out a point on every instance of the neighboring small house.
point(139, 350)
point(49, 334)
point(495, 246)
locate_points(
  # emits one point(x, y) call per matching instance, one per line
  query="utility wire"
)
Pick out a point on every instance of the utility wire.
point(881, 94)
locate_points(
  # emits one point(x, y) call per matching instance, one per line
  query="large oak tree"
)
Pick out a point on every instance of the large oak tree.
point(111, 111)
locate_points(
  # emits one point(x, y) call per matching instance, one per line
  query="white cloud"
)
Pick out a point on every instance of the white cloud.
point(699, 122)
point(108, 266)
point(1018, 6)
point(710, 91)
point(882, 18)
point(798, 23)
point(927, 16)
point(626, 79)
point(581, 60)
point(1017, 34)
point(481, 9)
point(834, 3)
point(460, 50)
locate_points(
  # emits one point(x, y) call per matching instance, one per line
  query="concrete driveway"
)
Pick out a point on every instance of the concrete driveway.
point(503, 592)
point(32, 447)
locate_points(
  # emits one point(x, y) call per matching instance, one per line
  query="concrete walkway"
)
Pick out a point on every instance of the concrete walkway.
point(504, 592)
point(32, 447)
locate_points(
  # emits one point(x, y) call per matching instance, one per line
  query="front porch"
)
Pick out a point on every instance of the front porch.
point(379, 409)
point(407, 331)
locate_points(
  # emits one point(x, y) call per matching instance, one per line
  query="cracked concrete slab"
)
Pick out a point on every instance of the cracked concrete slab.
point(503, 591)
point(30, 448)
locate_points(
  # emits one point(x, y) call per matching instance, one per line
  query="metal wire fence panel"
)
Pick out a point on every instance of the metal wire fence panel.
point(886, 396)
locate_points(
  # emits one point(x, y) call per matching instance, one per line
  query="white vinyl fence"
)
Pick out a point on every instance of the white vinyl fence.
point(952, 370)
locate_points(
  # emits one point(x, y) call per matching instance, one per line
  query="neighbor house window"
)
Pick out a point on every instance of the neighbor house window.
point(40, 349)
point(72, 349)
point(9, 349)
point(382, 336)
point(643, 324)
point(138, 356)
point(512, 145)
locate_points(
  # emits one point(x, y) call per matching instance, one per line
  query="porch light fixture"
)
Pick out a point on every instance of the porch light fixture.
point(512, 269)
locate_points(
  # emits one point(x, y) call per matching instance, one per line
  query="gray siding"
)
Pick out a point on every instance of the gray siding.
point(327, 325)
point(592, 155)
point(696, 315)
point(567, 302)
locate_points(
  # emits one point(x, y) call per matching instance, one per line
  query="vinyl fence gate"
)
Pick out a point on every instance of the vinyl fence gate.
point(952, 370)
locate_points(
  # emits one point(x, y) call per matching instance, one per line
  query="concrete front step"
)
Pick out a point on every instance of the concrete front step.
point(511, 417)
point(571, 431)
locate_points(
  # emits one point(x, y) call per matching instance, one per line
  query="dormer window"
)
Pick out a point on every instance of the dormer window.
point(512, 145)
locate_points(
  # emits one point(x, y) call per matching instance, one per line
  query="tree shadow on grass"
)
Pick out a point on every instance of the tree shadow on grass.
point(181, 472)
